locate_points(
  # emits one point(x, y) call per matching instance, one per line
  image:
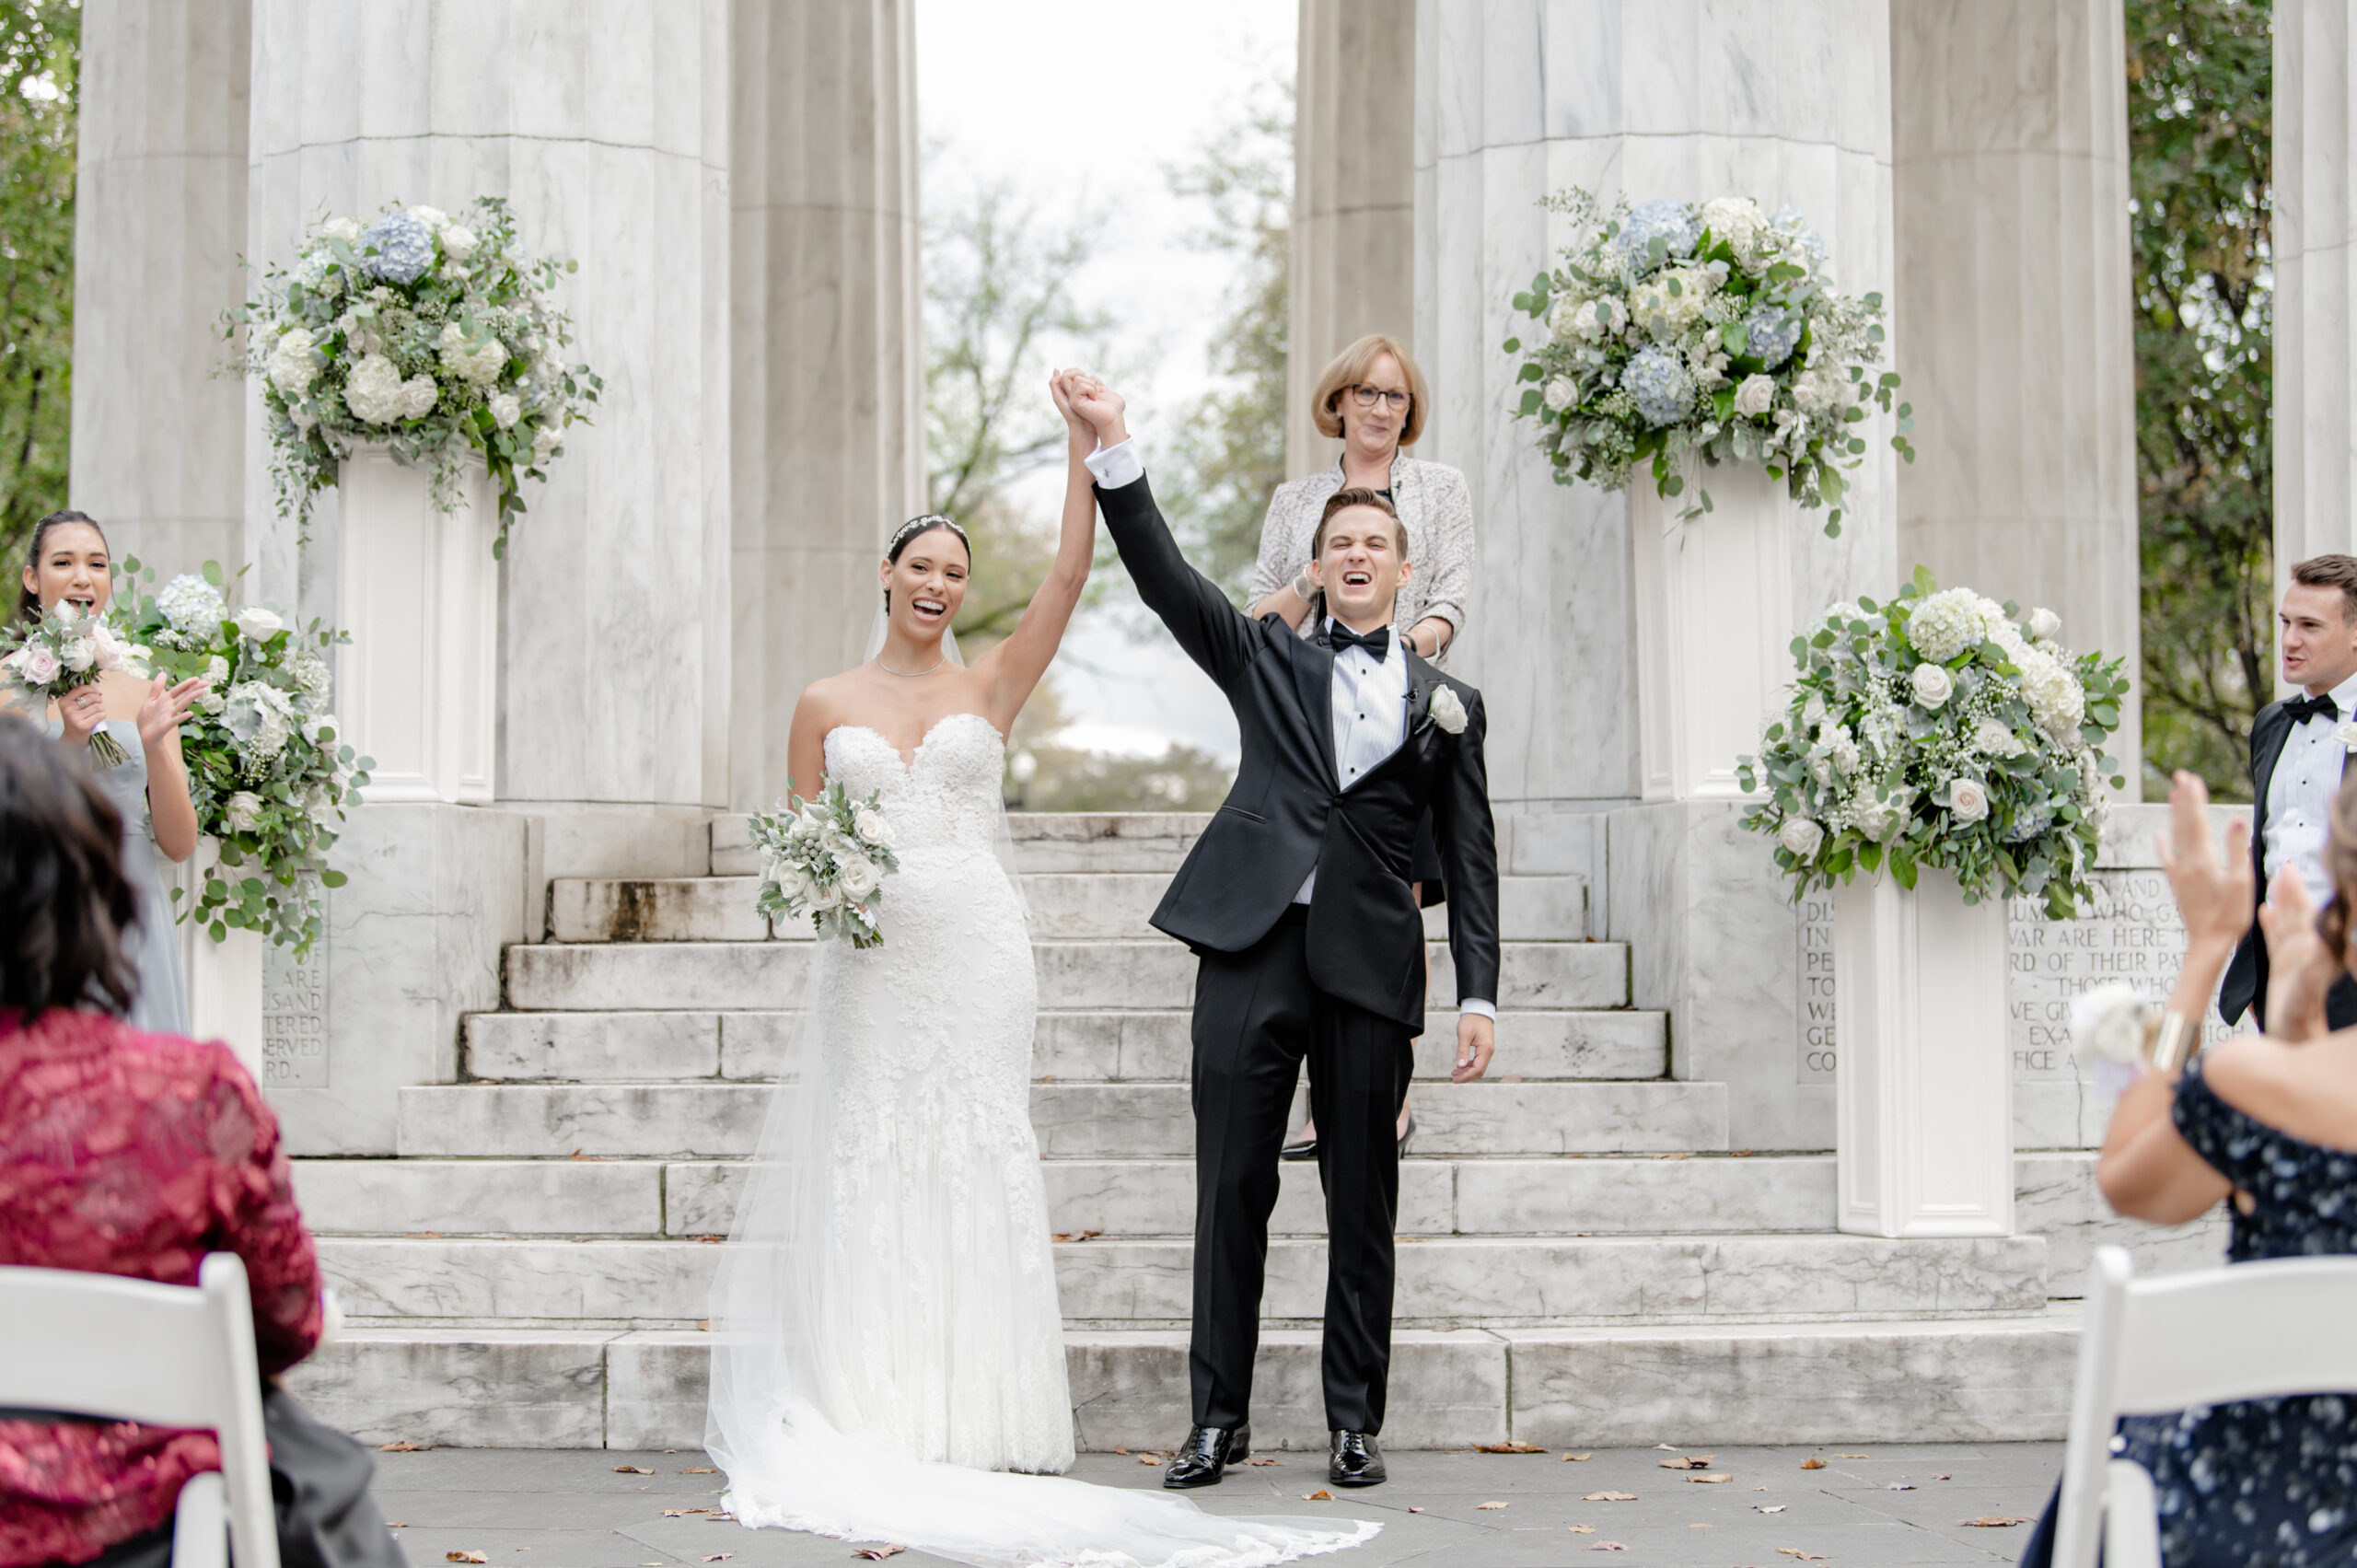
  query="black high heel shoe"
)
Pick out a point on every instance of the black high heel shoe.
point(1407, 1132)
point(1303, 1148)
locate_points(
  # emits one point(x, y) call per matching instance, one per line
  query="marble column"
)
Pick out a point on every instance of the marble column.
point(2012, 318)
point(1353, 196)
point(2316, 277)
point(159, 224)
point(827, 376)
point(1790, 104)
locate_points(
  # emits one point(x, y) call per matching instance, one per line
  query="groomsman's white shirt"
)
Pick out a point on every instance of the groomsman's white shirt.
point(1370, 695)
point(2300, 792)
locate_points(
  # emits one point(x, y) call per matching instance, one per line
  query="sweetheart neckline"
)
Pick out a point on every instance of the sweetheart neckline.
point(908, 763)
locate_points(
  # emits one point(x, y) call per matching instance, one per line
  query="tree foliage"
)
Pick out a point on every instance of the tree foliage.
point(2200, 125)
point(39, 68)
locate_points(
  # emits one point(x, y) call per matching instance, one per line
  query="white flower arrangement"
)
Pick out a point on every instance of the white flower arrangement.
point(1675, 331)
point(270, 776)
point(1448, 710)
point(427, 333)
point(70, 647)
point(826, 858)
point(1936, 729)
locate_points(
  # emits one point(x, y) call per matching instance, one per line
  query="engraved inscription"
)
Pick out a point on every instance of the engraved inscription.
point(295, 1018)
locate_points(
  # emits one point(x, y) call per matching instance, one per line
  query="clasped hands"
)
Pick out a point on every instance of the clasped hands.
point(2214, 895)
point(1092, 411)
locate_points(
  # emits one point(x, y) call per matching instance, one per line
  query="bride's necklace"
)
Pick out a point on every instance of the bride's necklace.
point(905, 673)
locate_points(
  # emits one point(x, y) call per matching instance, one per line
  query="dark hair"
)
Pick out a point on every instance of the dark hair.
point(916, 527)
point(1342, 501)
point(2331, 572)
point(27, 601)
point(64, 906)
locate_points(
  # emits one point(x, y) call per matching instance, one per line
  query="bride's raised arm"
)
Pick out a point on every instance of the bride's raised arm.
point(1015, 666)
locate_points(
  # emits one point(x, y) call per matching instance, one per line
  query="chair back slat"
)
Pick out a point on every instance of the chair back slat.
point(2253, 1331)
point(101, 1345)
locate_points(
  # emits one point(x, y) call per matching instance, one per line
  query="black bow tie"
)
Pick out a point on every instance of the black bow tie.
point(1378, 643)
point(2300, 710)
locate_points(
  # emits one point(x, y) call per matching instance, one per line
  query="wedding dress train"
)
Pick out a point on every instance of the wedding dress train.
point(887, 1347)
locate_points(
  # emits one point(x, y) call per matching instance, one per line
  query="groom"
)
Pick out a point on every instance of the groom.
point(1298, 904)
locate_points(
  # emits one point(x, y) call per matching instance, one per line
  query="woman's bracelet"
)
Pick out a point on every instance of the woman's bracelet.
point(2171, 1040)
point(1302, 590)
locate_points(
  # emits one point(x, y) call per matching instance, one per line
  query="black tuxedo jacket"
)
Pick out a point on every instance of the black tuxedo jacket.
point(2246, 981)
point(1287, 816)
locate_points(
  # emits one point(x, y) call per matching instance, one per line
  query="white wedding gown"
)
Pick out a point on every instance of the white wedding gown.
point(888, 1343)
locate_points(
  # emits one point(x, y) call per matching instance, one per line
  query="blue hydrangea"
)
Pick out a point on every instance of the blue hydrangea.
point(1793, 222)
point(1672, 222)
point(1657, 379)
point(1775, 332)
point(404, 247)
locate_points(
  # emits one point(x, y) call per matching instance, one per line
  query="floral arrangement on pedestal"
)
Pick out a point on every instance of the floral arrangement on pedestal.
point(827, 859)
point(1940, 729)
point(269, 774)
point(428, 332)
point(1675, 331)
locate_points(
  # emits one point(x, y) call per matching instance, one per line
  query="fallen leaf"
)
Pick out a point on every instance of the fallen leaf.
point(1148, 1459)
point(1575, 1458)
point(1075, 1234)
point(1901, 1486)
point(464, 1557)
point(711, 1240)
point(1994, 1521)
point(1740, 1155)
point(1583, 1529)
point(1278, 1462)
point(1507, 1448)
point(683, 1513)
point(1119, 1450)
point(1944, 1478)
point(1767, 1508)
point(631, 1470)
point(1710, 1479)
point(1047, 1078)
point(1812, 1463)
point(1669, 1156)
point(1849, 1456)
point(698, 1469)
point(878, 1553)
point(1484, 1505)
point(1607, 1546)
point(1609, 1497)
point(1415, 1510)
point(1688, 1462)
point(1321, 1495)
point(403, 1446)
point(1698, 1527)
point(422, 1235)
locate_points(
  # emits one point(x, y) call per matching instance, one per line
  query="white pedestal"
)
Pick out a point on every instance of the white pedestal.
point(417, 687)
point(1924, 1092)
point(225, 994)
point(1714, 627)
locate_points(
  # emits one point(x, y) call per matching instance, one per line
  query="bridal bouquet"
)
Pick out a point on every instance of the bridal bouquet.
point(1674, 330)
point(70, 646)
point(426, 330)
point(826, 858)
point(269, 773)
point(1942, 729)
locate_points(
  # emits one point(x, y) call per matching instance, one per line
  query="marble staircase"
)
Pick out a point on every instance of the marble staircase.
point(1583, 1260)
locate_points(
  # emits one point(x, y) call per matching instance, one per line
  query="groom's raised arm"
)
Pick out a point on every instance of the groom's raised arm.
point(1215, 635)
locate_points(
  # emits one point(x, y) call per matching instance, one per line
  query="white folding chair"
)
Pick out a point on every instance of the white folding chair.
point(165, 1355)
point(2249, 1331)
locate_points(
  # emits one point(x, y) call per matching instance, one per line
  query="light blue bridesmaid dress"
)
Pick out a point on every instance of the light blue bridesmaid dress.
point(153, 945)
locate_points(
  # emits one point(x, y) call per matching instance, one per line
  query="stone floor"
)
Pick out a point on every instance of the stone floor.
point(1887, 1505)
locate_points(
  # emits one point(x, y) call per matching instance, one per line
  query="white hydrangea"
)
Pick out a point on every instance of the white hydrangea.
point(1841, 749)
point(345, 229)
point(1739, 222)
point(1669, 303)
point(194, 606)
point(478, 367)
point(358, 336)
point(310, 673)
point(431, 217)
point(292, 366)
point(544, 441)
point(2056, 699)
point(261, 718)
point(1946, 624)
point(1817, 390)
point(376, 394)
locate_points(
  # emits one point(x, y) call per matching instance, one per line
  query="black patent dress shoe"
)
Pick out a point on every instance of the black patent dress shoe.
point(1356, 1461)
point(1302, 1148)
point(1203, 1458)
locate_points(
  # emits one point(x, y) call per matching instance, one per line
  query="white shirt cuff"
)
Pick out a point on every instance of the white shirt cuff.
point(1117, 466)
point(1475, 1005)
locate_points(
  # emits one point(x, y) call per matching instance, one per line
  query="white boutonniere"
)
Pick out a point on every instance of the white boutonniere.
point(2347, 736)
point(1447, 710)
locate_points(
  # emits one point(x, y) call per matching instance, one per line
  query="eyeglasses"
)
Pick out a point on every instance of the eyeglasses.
point(1366, 397)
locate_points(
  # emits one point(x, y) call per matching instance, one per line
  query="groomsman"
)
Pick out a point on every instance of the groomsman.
point(2297, 753)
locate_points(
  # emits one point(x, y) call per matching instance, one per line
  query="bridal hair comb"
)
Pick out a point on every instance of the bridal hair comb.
point(915, 526)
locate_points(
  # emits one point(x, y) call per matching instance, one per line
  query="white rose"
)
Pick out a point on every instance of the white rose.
point(2107, 1024)
point(2347, 736)
point(504, 410)
point(858, 878)
point(1561, 394)
point(872, 827)
point(1934, 686)
point(107, 647)
point(431, 217)
point(1448, 710)
point(458, 242)
point(1755, 395)
point(78, 654)
point(1801, 835)
point(258, 623)
point(345, 229)
point(1993, 737)
point(544, 441)
point(242, 811)
point(2044, 625)
point(1969, 801)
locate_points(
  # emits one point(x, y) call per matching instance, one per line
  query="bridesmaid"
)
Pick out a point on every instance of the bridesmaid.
point(68, 561)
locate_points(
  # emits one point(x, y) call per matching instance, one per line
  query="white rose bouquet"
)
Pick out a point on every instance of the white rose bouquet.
point(826, 858)
point(1675, 330)
point(426, 330)
point(269, 773)
point(1941, 728)
point(70, 647)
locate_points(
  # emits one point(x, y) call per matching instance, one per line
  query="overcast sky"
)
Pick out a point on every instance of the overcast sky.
point(1082, 107)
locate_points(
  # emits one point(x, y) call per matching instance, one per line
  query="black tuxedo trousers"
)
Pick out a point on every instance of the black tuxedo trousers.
point(1257, 1017)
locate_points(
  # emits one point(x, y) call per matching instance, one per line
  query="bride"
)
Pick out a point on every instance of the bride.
point(888, 1345)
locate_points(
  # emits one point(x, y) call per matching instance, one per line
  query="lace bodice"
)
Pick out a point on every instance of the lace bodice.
point(945, 797)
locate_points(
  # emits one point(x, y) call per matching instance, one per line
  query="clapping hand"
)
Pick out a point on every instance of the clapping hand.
point(2214, 897)
point(163, 708)
point(2299, 967)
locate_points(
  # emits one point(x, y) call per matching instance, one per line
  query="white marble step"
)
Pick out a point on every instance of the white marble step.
point(1151, 1045)
point(1442, 1282)
point(769, 976)
point(1955, 1381)
point(1044, 841)
point(1075, 905)
point(1075, 1121)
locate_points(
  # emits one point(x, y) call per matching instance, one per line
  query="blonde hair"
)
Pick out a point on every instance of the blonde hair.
point(1350, 369)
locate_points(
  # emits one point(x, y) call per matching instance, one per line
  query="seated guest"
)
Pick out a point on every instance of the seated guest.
point(2266, 1124)
point(135, 1154)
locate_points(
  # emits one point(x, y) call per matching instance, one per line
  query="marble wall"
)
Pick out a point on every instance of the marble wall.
point(1353, 196)
point(159, 226)
point(1515, 99)
point(2013, 319)
point(827, 376)
point(606, 129)
point(2316, 272)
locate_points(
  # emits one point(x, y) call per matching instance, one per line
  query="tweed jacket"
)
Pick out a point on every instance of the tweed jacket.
point(1431, 500)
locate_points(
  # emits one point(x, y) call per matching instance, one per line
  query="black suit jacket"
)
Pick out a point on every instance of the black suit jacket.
point(2246, 981)
point(1287, 816)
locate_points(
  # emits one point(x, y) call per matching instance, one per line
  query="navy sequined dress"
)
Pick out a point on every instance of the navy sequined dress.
point(2266, 1484)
